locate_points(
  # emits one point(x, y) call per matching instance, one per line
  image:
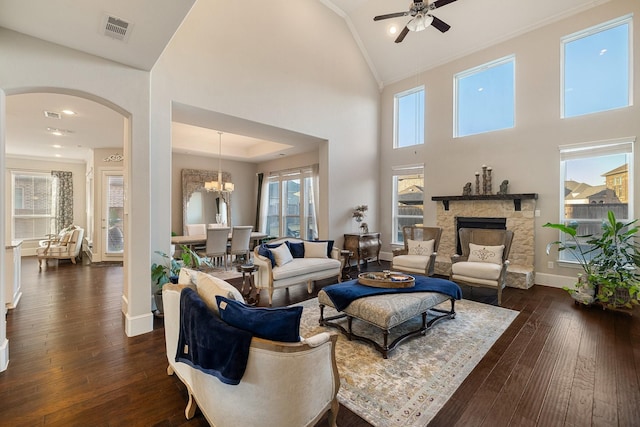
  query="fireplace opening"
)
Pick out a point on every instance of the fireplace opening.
point(478, 222)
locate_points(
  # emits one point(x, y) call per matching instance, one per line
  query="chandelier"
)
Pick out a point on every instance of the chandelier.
point(219, 186)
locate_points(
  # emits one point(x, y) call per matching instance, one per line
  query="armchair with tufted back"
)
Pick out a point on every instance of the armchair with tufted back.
point(420, 250)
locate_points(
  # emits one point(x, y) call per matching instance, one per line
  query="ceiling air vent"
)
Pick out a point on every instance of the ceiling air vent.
point(116, 28)
point(52, 115)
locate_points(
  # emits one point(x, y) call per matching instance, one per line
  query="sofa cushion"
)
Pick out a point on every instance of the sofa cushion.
point(210, 287)
point(483, 253)
point(419, 262)
point(265, 251)
point(315, 249)
point(187, 276)
point(329, 246)
point(276, 324)
point(282, 255)
point(478, 270)
point(301, 266)
point(296, 248)
point(420, 247)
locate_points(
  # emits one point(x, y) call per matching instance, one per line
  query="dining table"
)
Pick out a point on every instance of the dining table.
point(201, 239)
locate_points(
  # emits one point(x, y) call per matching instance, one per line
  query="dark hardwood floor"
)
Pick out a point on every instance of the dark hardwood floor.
point(72, 365)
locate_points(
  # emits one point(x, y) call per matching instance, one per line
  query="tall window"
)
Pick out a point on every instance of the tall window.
point(291, 208)
point(33, 210)
point(597, 68)
point(595, 178)
point(408, 199)
point(409, 118)
point(485, 98)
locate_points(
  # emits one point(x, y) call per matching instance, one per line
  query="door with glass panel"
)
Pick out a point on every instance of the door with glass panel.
point(113, 214)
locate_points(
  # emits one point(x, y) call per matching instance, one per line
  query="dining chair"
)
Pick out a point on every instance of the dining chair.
point(240, 239)
point(216, 246)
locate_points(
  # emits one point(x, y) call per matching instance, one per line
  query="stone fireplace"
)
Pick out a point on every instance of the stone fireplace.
point(516, 211)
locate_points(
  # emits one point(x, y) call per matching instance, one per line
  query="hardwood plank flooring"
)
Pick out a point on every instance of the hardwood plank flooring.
point(72, 365)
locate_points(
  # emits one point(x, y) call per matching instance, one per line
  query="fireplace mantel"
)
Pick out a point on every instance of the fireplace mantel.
point(517, 198)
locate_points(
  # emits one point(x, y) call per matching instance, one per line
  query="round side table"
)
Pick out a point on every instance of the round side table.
point(346, 255)
point(248, 270)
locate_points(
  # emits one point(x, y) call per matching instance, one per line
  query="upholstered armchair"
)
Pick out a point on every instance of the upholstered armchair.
point(484, 259)
point(66, 246)
point(420, 250)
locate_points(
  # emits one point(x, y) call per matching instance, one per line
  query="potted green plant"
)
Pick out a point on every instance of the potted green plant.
point(162, 273)
point(610, 262)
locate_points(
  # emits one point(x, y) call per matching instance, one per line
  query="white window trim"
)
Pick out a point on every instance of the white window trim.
point(396, 98)
point(625, 19)
point(395, 172)
point(595, 148)
point(475, 70)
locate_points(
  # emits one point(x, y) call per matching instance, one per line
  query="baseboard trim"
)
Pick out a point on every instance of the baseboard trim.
point(4, 355)
point(138, 325)
point(554, 281)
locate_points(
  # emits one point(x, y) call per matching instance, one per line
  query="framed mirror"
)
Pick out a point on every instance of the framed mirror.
point(200, 206)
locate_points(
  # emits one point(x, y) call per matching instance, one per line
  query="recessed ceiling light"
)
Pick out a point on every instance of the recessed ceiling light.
point(58, 155)
point(57, 146)
point(392, 29)
point(69, 112)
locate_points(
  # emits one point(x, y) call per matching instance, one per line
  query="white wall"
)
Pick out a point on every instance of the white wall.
point(272, 67)
point(527, 155)
point(31, 65)
point(79, 193)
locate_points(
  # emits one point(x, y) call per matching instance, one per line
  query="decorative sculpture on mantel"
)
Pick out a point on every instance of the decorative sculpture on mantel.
point(466, 191)
point(504, 187)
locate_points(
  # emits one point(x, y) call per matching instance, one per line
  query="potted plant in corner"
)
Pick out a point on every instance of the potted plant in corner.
point(162, 273)
point(610, 263)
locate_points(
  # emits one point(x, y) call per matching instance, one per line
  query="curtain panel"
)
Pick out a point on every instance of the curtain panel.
point(64, 199)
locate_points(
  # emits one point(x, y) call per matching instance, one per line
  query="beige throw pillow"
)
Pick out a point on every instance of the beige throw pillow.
point(420, 247)
point(482, 253)
point(315, 249)
point(208, 287)
point(282, 255)
point(187, 276)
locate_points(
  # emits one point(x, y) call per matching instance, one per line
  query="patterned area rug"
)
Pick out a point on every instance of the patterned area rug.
point(422, 373)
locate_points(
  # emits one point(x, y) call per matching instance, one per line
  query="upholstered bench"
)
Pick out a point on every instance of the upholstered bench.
point(387, 311)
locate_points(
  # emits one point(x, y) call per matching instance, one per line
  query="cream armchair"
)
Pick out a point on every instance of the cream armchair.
point(484, 259)
point(284, 384)
point(66, 246)
point(420, 250)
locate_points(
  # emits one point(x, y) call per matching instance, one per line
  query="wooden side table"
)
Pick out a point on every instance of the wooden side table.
point(364, 245)
point(248, 270)
point(346, 269)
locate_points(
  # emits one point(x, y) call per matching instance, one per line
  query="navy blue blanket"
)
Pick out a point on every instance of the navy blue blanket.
point(342, 294)
point(208, 344)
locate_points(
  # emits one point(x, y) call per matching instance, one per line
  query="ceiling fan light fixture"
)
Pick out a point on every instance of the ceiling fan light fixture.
point(420, 22)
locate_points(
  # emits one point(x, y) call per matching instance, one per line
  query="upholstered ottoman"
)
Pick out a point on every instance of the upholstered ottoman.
point(388, 310)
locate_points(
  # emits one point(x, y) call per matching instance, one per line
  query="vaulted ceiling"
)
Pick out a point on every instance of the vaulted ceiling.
point(150, 24)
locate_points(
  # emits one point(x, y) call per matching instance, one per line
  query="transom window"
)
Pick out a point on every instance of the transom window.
point(597, 68)
point(408, 199)
point(485, 98)
point(595, 178)
point(409, 118)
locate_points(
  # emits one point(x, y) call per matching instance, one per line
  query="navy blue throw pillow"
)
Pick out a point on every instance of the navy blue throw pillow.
point(296, 249)
point(265, 251)
point(276, 324)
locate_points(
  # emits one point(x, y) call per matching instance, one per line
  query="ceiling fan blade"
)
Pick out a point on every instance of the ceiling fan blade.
point(390, 15)
point(402, 34)
point(439, 3)
point(440, 25)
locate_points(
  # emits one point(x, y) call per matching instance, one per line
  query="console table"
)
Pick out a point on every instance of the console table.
point(364, 246)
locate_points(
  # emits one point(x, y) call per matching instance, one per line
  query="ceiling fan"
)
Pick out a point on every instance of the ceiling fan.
point(419, 10)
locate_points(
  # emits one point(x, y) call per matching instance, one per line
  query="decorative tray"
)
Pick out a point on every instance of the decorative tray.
point(386, 280)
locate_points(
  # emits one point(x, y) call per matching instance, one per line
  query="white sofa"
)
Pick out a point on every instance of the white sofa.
point(298, 271)
point(284, 384)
